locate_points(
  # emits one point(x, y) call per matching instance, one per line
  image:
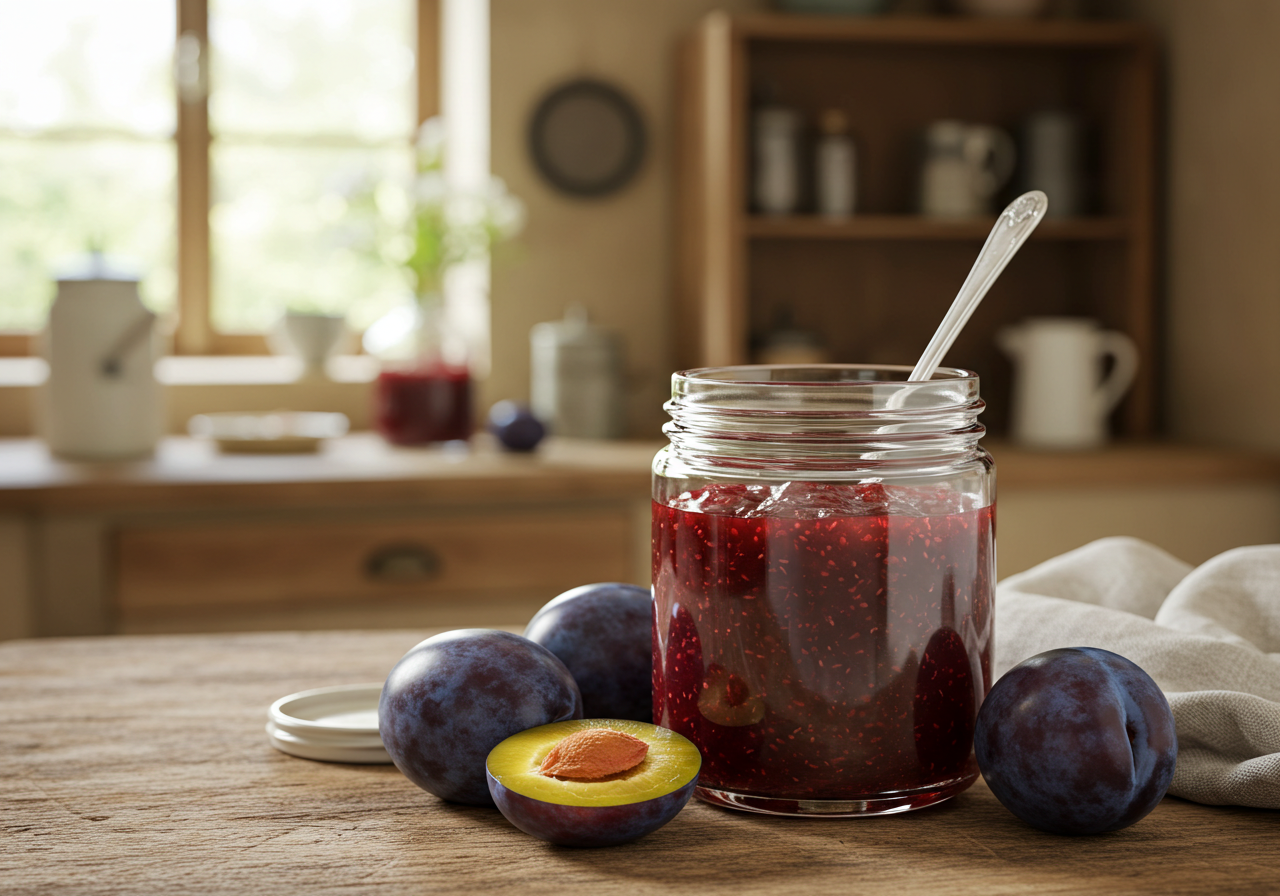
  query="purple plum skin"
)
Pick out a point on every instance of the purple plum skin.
point(588, 826)
point(603, 633)
point(515, 426)
point(456, 696)
point(1077, 740)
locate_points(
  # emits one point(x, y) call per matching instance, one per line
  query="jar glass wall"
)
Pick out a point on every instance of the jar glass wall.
point(823, 568)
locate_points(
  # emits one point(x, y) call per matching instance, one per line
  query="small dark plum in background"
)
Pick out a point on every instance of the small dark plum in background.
point(1077, 740)
point(604, 634)
point(515, 426)
point(454, 697)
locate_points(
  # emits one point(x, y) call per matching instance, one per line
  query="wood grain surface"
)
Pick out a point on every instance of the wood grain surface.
point(139, 765)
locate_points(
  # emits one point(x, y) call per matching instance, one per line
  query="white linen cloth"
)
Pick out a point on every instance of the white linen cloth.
point(1209, 636)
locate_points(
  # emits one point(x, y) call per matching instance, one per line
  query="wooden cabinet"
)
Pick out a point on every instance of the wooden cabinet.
point(448, 566)
point(361, 535)
point(874, 286)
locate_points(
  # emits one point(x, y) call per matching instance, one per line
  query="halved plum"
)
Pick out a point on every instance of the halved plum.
point(543, 795)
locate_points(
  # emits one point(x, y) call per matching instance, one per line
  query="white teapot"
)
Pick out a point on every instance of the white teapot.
point(1060, 397)
point(101, 400)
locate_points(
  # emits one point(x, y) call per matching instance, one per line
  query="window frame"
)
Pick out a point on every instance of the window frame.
point(194, 333)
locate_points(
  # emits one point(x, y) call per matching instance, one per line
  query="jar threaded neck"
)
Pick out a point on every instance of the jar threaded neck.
point(823, 416)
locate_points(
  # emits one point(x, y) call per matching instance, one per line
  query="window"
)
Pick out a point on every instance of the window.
point(218, 144)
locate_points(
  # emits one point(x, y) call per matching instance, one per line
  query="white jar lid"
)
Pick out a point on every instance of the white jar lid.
point(335, 724)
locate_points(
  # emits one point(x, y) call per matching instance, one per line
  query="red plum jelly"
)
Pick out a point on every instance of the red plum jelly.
point(823, 657)
point(430, 403)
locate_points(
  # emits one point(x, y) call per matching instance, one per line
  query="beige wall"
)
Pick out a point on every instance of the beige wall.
point(612, 255)
point(1037, 524)
point(1223, 225)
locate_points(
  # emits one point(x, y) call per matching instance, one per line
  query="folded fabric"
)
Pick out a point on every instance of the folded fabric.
point(1209, 636)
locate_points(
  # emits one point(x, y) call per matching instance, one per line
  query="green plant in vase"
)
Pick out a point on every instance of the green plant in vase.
point(425, 228)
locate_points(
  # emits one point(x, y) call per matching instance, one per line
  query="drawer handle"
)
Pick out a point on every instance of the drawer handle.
point(403, 563)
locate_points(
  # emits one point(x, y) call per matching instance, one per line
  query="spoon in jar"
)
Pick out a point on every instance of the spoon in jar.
point(1007, 236)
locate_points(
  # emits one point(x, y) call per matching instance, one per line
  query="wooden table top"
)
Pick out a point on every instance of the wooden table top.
point(140, 765)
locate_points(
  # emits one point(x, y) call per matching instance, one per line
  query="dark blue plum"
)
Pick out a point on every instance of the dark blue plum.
point(1077, 740)
point(515, 426)
point(588, 826)
point(604, 634)
point(454, 697)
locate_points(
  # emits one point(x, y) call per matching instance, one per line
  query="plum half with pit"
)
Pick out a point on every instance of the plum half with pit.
point(454, 697)
point(1077, 740)
point(604, 634)
point(592, 782)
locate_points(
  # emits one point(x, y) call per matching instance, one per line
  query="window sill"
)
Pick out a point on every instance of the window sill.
point(199, 385)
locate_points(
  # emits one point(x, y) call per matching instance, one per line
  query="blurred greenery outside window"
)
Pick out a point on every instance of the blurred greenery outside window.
point(109, 124)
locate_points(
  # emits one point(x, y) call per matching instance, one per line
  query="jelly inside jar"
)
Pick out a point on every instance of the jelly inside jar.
point(823, 641)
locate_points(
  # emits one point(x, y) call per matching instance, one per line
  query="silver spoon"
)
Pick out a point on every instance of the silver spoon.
point(1007, 236)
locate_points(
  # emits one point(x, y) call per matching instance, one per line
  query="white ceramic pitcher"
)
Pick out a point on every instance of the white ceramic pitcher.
point(1060, 397)
point(101, 400)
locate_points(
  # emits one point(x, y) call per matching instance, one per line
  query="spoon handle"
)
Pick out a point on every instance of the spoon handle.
point(1007, 236)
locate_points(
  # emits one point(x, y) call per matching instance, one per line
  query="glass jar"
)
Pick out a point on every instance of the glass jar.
point(423, 393)
point(823, 569)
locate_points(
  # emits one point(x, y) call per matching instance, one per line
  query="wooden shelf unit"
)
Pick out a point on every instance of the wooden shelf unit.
point(914, 227)
point(876, 284)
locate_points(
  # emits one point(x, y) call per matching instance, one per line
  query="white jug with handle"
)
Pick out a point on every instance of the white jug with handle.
point(1060, 397)
point(101, 400)
point(965, 165)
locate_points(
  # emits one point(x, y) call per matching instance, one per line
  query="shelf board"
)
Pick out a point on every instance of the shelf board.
point(914, 227)
point(1131, 464)
point(941, 30)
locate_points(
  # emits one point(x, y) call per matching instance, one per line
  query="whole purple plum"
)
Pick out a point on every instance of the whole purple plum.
point(515, 426)
point(454, 697)
point(604, 634)
point(1077, 740)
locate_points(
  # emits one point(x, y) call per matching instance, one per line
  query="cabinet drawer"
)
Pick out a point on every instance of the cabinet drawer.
point(260, 563)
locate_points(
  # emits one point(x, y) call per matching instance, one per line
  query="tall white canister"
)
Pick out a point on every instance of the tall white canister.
point(101, 400)
point(576, 385)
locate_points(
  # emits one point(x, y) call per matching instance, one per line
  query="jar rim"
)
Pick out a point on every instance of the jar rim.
point(821, 416)
point(822, 389)
point(726, 375)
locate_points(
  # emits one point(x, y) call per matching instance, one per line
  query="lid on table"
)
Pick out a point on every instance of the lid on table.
point(334, 724)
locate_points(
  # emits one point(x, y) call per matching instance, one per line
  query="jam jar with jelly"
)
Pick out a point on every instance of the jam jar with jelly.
point(823, 575)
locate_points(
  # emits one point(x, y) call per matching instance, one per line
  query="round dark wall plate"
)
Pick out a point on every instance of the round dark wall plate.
point(587, 138)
